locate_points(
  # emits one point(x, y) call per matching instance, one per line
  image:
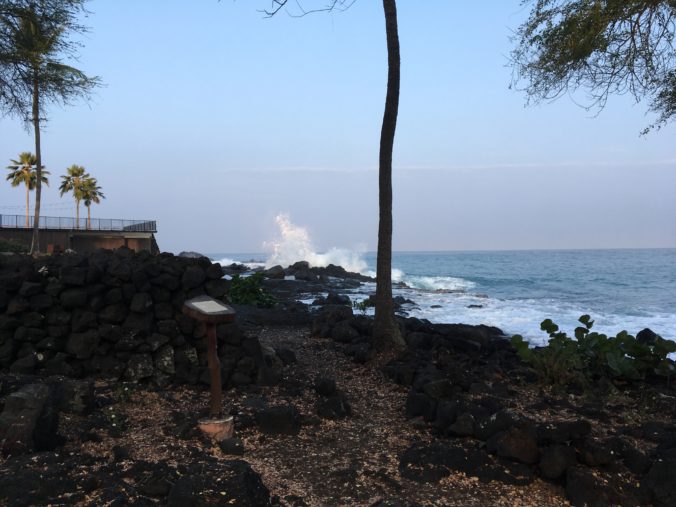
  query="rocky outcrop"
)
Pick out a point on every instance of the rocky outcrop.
point(461, 383)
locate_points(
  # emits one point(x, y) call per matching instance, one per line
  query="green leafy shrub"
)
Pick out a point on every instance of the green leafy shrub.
point(361, 305)
point(249, 291)
point(591, 355)
point(12, 246)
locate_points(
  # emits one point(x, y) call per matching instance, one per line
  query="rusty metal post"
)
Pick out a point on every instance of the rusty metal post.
point(214, 372)
point(212, 312)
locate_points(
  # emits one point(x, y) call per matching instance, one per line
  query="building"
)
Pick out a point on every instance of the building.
point(62, 233)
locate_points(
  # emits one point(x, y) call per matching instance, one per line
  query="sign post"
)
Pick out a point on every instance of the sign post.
point(212, 312)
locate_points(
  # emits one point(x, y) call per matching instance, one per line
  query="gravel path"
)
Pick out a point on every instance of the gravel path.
point(354, 461)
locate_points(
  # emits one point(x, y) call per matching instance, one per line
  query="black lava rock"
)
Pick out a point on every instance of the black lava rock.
point(325, 386)
point(555, 461)
point(279, 420)
point(334, 407)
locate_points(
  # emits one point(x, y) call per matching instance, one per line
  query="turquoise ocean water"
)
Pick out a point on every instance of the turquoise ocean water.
point(516, 290)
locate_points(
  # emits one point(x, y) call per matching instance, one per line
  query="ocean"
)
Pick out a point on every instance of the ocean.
point(515, 290)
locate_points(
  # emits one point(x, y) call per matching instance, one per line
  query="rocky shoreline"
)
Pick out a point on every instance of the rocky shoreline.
point(468, 406)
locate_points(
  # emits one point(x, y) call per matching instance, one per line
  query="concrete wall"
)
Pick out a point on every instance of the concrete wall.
point(47, 237)
point(82, 241)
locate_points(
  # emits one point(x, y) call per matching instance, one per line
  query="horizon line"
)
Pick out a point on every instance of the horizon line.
point(472, 250)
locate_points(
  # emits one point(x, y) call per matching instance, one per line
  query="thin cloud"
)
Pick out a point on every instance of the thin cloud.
point(666, 163)
point(296, 169)
point(669, 163)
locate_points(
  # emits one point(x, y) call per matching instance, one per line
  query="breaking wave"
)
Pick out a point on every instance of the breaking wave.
point(294, 244)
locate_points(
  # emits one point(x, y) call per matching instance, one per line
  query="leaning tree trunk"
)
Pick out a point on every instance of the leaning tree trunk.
point(386, 332)
point(28, 206)
point(35, 244)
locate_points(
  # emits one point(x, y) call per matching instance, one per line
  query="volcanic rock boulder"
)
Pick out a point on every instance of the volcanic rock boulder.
point(29, 420)
point(279, 420)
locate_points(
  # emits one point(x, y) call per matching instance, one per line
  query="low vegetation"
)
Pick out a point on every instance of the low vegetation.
point(12, 246)
point(249, 291)
point(590, 356)
point(361, 305)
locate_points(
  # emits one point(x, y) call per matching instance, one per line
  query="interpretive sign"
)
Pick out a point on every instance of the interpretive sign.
point(211, 311)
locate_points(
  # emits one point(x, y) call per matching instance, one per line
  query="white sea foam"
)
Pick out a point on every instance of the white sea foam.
point(428, 283)
point(227, 261)
point(294, 244)
point(445, 299)
point(397, 274)
point(522, 316)
point(438, 283)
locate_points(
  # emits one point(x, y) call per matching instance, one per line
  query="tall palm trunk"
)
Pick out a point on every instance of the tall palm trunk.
point(35, 244)
point(77, 213)
point(89, 217)
point(386, 332)
point(28, 205)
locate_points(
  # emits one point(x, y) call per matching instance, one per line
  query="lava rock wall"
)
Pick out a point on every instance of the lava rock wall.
point(117, 315)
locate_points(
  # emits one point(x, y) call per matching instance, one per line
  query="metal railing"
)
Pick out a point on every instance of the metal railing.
point(72, 224)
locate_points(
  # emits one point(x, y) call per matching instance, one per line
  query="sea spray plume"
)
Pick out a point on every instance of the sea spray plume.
point(294, 244)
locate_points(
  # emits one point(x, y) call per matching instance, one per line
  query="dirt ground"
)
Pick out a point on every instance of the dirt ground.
point(352, 461)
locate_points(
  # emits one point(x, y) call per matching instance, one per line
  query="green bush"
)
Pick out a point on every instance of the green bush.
point(12, 246)
point(248, 291)
point(591, 355)
point(361, 305)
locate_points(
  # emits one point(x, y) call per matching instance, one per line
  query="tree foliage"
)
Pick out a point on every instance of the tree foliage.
point(75, 181)
point(91, 194)
point(35, 39)
point(323, 6)
point(24, 172)
point(601, 46)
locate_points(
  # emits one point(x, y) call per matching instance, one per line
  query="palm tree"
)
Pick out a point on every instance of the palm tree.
point(34, 36)
point(91, 193)
point(75, 180)
point(24, 171)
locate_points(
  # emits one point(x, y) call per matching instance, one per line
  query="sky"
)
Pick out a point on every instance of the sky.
point(213, 120)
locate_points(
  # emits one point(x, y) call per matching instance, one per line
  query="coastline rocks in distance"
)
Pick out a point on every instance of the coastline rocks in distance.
point(398, 301)
point(276, 272)
point(333, 298)
point(234, 269)
point(302, 270)
point(191, 255)
point(647, 336)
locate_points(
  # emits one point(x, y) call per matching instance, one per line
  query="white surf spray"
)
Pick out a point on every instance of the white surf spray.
point(294, 244)
point(251, 264)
